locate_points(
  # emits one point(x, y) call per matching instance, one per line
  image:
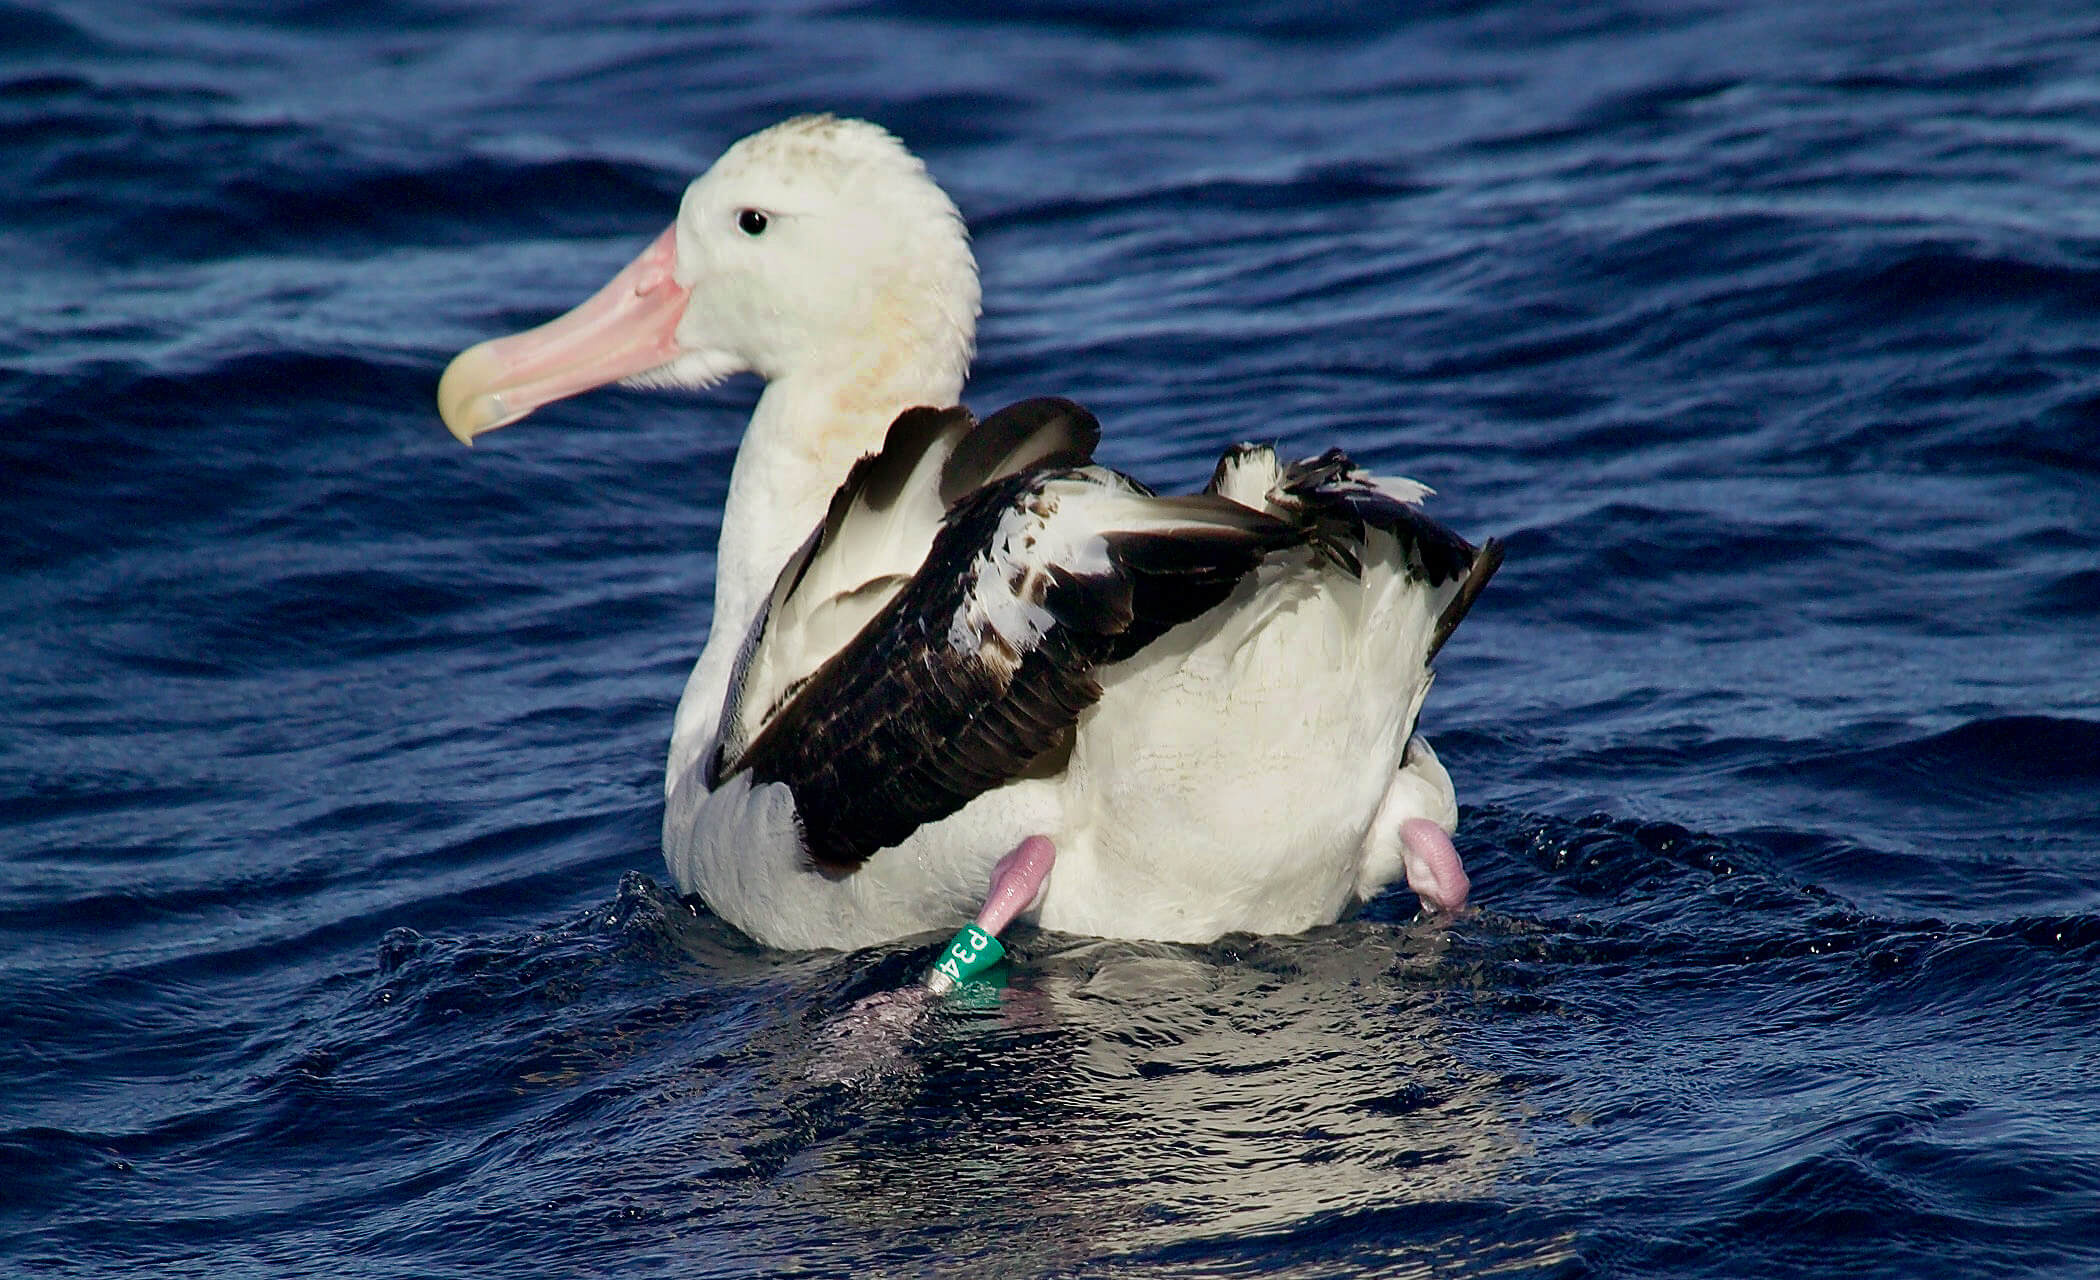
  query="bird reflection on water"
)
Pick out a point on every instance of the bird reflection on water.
point(1133, 1100)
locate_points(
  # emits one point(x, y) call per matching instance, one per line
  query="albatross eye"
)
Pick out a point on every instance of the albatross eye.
point(751, 222)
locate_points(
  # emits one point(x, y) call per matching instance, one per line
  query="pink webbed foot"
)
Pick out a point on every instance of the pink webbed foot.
point(1433, 869)
point(1017, 881)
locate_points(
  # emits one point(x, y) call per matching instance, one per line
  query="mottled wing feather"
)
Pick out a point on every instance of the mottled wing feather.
point(1338, 502)
point(1341, 502)
point(904, 727)
point(863, 546)
point(936, 700)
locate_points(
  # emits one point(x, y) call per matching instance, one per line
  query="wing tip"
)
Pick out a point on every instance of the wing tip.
point(1487, 558)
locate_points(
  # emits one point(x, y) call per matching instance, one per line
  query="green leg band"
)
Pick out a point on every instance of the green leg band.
point(970, 953)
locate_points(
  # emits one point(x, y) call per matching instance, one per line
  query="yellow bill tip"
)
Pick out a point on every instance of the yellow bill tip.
point(469, 397)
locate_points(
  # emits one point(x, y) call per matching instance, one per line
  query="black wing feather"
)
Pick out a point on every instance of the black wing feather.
point(1485, 562)
point(1047, 431)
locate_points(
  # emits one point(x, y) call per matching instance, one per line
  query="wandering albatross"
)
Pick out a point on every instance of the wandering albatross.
point(946, 651)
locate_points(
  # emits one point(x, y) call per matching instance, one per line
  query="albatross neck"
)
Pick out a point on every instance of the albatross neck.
point(809, 428)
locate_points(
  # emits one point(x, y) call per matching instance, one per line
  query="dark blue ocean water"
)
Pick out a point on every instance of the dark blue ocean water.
point(333, 933)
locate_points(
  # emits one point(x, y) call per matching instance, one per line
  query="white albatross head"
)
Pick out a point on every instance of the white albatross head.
point(816, 251)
